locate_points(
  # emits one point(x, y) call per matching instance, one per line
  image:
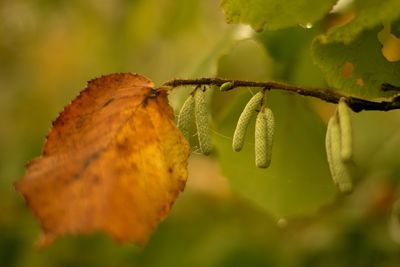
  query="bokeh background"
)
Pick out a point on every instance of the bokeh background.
point(229, 214)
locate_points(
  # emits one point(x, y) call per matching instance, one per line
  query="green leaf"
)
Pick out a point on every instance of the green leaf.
point(275, 14)
point(285, 47)
point(298, 181)
point(376, 151)
point(246, 60)
point(292, 57)
point(368, 14)
point(351, 55)
point(357, 68)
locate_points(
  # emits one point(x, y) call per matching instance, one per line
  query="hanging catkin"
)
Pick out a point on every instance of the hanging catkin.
point(339, 169)
point(264, 133)
point(202, 124)
point(244, 119)
point(346, 139)
point(185, 116)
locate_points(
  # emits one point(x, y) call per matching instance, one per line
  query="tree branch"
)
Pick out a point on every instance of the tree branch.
point(327, 95)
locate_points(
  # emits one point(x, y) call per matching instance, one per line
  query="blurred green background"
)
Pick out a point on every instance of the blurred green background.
point(230, 213)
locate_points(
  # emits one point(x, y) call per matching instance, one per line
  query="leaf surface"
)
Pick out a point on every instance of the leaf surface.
point(351, 54)
point(275, 14)
point(357, 68)
point(114, 161)
point(366, 15)
point(298, 181)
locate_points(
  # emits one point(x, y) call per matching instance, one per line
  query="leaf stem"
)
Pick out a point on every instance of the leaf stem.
point(325, 94)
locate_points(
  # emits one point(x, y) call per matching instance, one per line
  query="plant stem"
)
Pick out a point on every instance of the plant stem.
point(325, 94)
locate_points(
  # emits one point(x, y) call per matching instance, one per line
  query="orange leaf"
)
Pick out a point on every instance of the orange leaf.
point(114, 161)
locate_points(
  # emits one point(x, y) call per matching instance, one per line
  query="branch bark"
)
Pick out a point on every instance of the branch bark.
point(325, 94)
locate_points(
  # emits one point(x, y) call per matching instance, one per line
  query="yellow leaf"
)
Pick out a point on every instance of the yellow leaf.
point(114, 161)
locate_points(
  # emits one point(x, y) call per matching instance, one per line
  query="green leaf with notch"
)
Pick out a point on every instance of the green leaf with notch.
point(367, 14)
point(358, 68)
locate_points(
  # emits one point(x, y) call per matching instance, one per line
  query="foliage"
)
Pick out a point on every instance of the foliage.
point(286, 215)
point(275, 14)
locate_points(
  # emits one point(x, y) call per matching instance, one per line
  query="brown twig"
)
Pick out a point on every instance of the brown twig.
point(328, 95)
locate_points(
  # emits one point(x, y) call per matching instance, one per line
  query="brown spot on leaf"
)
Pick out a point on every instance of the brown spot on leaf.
point(95, 179)
point(347, 69)
point(338, 19)
point(360, 82)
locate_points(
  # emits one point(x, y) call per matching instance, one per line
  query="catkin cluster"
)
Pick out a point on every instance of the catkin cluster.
point(339, 142)
point(196, 106)
point(339, 145)
point(264, 130)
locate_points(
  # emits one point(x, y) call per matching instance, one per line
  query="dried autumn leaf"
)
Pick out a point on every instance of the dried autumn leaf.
point(114, 161)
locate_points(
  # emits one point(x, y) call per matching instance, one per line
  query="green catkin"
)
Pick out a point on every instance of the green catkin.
point(201, 116)
point(346, 151)
point(185, 116)
point(339, 169)
point(244, 119)
point(226, 86)
point(264, 134)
